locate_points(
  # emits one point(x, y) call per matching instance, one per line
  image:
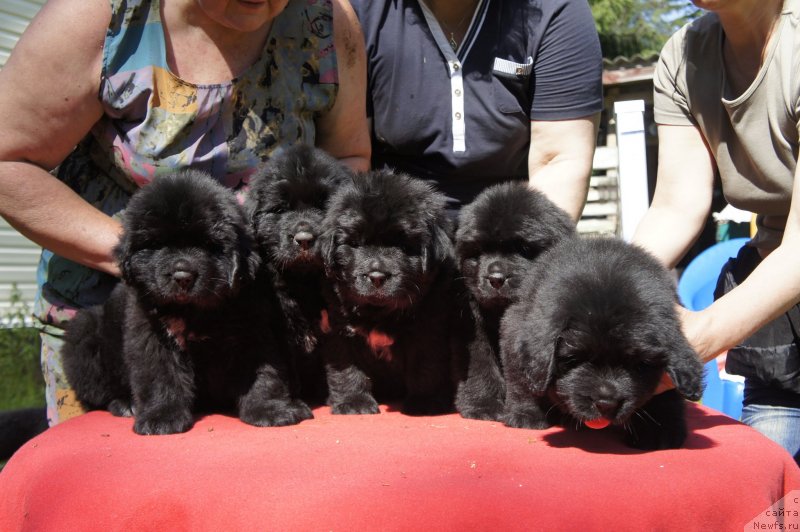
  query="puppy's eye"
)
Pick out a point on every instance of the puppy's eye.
point(468, 250)
point(470, 262)
point(529, 252)
point(567, 352)
point(646, 364)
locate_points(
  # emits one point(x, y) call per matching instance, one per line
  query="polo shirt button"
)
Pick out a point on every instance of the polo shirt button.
point(456, 66)
point(458, 92)
point(458, 116)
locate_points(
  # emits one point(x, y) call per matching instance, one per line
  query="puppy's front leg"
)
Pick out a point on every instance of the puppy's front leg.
point(268, 403)
point(162, 382)
point(481, 391)
point(660, 423)
point(429, 388)
point(523, 409)
point(349, 387)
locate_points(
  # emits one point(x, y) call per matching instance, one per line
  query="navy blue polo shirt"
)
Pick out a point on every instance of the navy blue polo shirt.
point(462, 118)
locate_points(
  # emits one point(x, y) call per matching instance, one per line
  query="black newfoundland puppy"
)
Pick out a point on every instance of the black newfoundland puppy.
point(185, 331)
point(286, 205)
point(500, 235)
point(591, 336)
point(389, 257)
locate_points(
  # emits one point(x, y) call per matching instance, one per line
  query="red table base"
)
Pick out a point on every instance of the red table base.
point(388, 472)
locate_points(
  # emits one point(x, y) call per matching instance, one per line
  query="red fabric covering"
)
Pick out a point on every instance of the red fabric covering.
point(388, 472)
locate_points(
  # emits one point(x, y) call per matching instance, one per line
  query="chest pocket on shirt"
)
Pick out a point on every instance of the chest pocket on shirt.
point(511, 85)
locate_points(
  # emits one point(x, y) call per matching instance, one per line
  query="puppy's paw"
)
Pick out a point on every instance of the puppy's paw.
point(661, 424)
point(276, 413)
point(308, 343)
point(653, 440)
point(523, 419)
point(648, 436)
point(120, 408)
point(358, 404)
point(163, 423)
point(485, 414)
point(487, 410)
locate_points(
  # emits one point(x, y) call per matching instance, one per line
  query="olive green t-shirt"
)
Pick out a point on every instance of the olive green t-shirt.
point(753, 136)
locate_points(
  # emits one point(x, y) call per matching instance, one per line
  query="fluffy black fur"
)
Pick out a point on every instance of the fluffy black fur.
point(594, 330)
point(185, 332)
point(286, 205)
point(500, 235)
point(390, 260)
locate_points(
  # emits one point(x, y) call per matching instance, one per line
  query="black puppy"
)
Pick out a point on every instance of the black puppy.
point(389, 257)
point(500, 235)
point(286, 205)
point(185, 331)
point(592, 334)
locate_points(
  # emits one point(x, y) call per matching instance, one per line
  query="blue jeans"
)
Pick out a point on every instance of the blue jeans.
point(780, 424)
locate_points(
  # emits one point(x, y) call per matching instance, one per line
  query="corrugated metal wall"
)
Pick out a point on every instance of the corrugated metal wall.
point(18, 255)
point(14, 18)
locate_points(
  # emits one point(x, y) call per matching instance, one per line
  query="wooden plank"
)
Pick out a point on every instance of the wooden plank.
point(605, 157)
point(600, 208)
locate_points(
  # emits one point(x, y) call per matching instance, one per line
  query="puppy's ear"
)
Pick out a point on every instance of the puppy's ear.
point(528, 348)
point(685, 368)
point(440, 249)
point(327, 250)
point(541, 368)
point(247, 265)
point(248, 259)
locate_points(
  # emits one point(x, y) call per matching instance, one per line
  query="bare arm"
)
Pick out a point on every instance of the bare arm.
point(682, 199)
point(48, 101)
point(342, 131)
point(769, 291)
point(560, 160)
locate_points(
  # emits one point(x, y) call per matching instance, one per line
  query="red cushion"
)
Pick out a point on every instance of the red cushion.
point(387, 471)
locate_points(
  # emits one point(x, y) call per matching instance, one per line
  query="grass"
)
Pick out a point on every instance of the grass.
point(21, 382)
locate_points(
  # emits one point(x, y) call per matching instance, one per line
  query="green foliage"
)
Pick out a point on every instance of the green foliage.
point(630, 27)
point(21, 382)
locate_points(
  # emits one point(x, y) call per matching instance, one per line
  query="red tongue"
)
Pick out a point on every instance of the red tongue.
point(599, 423)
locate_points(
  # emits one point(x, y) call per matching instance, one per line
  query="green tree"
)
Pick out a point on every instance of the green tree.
point(630, 27)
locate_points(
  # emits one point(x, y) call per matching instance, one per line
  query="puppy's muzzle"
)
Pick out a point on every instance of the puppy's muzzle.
point(497, 278)
point(377, 276)
point(606, 401)
point(378, 279)
point(303, 237)
point(183, 276)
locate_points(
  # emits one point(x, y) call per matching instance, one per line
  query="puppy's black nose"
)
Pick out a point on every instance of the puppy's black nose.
point(497, 280)
point(377, 278)
point(304, 239)
point(607, 406)
point(497, 277)
point(183, 275)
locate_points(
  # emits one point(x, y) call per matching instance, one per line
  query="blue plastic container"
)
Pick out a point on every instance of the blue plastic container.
point(696, 292)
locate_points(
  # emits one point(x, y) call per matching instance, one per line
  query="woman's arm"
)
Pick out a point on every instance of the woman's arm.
point(683, 194)
point(560, 160)
point(48, 103)
point(342, 131)
point(769, 291)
